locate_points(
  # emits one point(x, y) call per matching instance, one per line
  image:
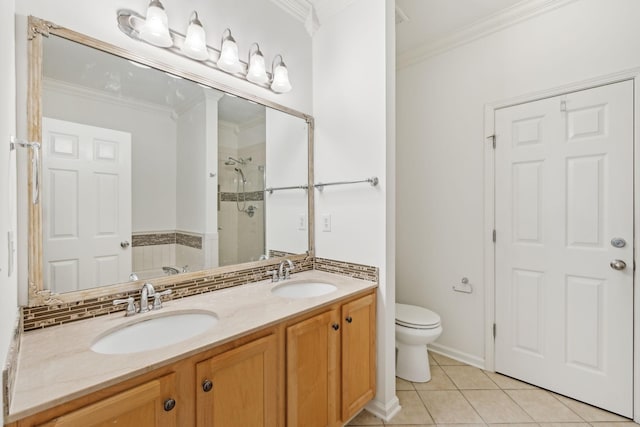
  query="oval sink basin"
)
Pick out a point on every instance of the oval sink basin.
point(303, 289)
point(154, 333)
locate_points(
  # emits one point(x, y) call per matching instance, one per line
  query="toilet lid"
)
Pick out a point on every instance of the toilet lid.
point(416, 317)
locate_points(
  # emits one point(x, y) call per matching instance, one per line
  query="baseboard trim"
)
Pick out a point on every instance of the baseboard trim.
point(460, 356)
point(385, 411)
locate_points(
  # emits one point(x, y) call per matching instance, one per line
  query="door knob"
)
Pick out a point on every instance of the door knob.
point(124, 245)
point(618, 264)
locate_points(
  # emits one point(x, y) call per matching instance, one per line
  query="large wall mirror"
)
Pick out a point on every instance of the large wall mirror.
point(148, 172)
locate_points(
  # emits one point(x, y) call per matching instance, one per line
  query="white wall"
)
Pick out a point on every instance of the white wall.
point(8, 284)
point(287, 157)
point(153, 179)
point(354, 139)
point(191, 173)
point(440, 146)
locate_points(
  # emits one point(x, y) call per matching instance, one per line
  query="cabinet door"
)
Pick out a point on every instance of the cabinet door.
point(238, 388)
point(313, 366)
point(358, 354)
point(140, 406)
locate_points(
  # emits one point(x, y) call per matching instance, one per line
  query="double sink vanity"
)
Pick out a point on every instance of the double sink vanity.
point(295, 352)
point(244, 336)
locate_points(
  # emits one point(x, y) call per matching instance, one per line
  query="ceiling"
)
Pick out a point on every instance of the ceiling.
point(432, 20)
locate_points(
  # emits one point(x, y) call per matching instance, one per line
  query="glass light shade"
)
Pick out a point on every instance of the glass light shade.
point(280, 82)
point(257, 72)
point(195, 44)
point(229, 60)
point(156, 27)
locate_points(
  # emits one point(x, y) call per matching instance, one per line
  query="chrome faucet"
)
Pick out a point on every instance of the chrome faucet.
point(285, 272)
point(147, 291)
point(170, 270)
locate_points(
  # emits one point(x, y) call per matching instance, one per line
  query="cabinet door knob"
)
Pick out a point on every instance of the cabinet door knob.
point(335, 326)
point(349, 319)
point(169, 404)
point(207, 386)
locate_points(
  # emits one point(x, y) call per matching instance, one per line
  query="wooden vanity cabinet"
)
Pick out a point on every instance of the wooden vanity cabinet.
point(331, 364)
point(358, 354)
point(150, 404)
point(317, 369)
point(313, 371)
point(238, 388)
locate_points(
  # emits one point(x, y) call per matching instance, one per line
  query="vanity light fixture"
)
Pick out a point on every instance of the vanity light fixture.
point(195, 44)
point(154, 30)
point(229, 60)
point(280, 83)
point(257, 71)
point(156, 26)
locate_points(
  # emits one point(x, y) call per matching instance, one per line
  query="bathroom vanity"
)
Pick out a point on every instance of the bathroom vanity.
point(269, 360)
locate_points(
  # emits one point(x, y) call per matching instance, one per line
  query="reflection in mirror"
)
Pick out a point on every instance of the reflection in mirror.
point(146, 174)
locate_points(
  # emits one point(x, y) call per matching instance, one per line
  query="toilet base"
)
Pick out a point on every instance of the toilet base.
point(412, 363)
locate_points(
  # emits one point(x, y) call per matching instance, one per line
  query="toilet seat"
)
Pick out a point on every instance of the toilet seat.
point(411, 316)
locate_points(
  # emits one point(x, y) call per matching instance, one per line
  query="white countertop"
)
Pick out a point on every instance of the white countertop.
point(56, 364)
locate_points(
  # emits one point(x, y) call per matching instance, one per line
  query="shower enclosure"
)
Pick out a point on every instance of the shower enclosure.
point(241, 180)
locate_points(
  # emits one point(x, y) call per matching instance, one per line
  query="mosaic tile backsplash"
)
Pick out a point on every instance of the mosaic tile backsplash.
point(168, 238)
point(51, 315)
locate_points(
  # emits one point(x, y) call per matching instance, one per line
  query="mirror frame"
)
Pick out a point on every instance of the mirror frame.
point(37, 295)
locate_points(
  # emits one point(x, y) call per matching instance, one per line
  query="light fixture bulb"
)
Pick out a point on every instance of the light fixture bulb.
point(156, 26)
point(195, 44)
point(280, 83)
point(257, 71)
point(229, 60)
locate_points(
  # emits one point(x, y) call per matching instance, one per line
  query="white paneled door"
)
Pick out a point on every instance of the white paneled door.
point(86, 206)
point(564, 247)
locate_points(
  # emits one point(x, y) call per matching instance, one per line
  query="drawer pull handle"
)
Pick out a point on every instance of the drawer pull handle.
point(207, 386)
point(169, 404)
point(335, 326)
point(349, 319)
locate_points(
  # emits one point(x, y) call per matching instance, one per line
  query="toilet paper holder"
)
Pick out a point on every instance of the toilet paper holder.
point(464, 286)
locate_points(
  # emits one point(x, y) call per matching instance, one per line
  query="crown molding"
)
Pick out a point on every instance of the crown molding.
point(506, 18)
point(299, 9)
point(311, 13)
point(103, 97)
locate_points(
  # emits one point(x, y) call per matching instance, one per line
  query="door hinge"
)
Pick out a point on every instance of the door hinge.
point(493, 236)
point(494, 330)
point(493, 140)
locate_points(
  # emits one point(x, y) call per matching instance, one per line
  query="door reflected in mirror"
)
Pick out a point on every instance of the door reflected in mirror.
point(146, 174)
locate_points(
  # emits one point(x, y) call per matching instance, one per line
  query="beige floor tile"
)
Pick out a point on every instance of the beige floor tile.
point(432, 361)
point(413, 410)
point(542, 406)
point(403, 385)
point(588, 412)
point(508, 383)
point(627, 423)
point(365, 418)
point(494, 406)
point(515, 425)
point(444, 360)
point(439, 381)
point(463, 425)
point(564, 424)
point(469, 378)
point(449, 407)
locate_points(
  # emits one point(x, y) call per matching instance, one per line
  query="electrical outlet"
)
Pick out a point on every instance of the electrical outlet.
point(302, 222)
point(326, 223)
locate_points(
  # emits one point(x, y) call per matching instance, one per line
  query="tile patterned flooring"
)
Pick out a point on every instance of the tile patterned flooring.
point(467, 396)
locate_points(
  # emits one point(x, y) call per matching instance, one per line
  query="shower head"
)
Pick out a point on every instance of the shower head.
point(238, 170)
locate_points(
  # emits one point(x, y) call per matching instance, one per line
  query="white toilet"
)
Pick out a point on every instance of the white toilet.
point(415, 328)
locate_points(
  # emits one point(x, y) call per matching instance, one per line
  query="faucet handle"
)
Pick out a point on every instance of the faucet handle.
point(131, 306)
point(157, 301)
point(274, 275)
